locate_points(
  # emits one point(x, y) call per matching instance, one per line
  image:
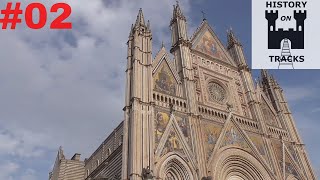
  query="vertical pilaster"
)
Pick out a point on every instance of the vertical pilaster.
point(183, 64)
point(137, 147)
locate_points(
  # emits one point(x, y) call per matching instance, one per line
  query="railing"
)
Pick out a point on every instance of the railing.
point(164, 100)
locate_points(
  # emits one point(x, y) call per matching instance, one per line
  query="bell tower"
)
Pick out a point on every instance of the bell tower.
point(181, 51)
point(137, 145)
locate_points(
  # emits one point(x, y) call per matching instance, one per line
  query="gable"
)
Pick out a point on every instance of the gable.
point(164, 80)
point(165, 77)
point(233, 137)
point(176, 139)
point(208, 45)
point(206, 42)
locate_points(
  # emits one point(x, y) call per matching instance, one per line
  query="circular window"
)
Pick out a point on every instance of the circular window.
point(216, 92)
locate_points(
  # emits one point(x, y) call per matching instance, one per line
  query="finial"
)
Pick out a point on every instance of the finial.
point(162, 44)
point(140, 18)
point(131, 30)
point(148, 24)
point(171, 108)
point(229, 107)
point(232, 40)
point(177, 13)
point(203, 16)
point(264, 74)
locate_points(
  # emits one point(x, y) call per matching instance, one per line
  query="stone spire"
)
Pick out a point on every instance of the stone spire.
point(232, 39)
point(140, 19)
point(137, 153)
point(264, 74)
point(177, 13)
point(236, 51)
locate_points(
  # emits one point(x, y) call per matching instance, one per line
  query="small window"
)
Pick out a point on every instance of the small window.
point(98, 162)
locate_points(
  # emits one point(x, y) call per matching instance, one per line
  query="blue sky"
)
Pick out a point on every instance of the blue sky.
point(66, 87)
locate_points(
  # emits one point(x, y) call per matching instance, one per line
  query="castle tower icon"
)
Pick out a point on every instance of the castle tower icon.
point(285, 53)
point(295, 36)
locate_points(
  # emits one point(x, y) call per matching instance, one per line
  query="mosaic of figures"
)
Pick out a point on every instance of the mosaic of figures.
point(161, 122)
point(172, 144)
point(277, 145)
point(217, 67)
point(258, 142)
point(289, 167)
point(292, 151)
point(268, 115)
point(233, 137)
point(185, 128)
point(164, 80)
point(209, 46)
point(211, 133)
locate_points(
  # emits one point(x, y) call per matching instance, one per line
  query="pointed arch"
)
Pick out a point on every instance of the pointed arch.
point(232, 163)
point(174, 167)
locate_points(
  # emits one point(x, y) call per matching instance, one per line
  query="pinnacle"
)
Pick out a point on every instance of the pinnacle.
point(264, 74)
point(162, 45)
point(232, 39)
point(177, 13)
point(140, 19)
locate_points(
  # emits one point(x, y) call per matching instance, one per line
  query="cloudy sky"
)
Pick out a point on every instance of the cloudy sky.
point(66, 87)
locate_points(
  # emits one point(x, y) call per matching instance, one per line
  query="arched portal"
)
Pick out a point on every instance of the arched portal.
point(235, 178)
point(235, 164)
point(175, 168)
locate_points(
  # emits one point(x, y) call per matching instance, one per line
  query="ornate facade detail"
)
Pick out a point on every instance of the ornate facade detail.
point(179, 124)
point(165, 82)
point(216, 92)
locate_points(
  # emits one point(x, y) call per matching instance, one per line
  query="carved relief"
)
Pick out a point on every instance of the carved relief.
point(245, 112)
point(211, 133)
point(216, 92)
point(164, 80)
point(241, 99)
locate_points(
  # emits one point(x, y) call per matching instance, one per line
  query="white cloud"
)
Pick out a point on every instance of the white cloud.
point(23, 143)
point(66, 87)
point(315, 110)
point(299, 93)
point(30, 174)
point(7, 170)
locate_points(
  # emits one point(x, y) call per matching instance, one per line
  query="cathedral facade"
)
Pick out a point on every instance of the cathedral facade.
point(194, 113)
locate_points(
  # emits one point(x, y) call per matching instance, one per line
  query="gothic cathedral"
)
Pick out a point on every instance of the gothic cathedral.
point(194, 113)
